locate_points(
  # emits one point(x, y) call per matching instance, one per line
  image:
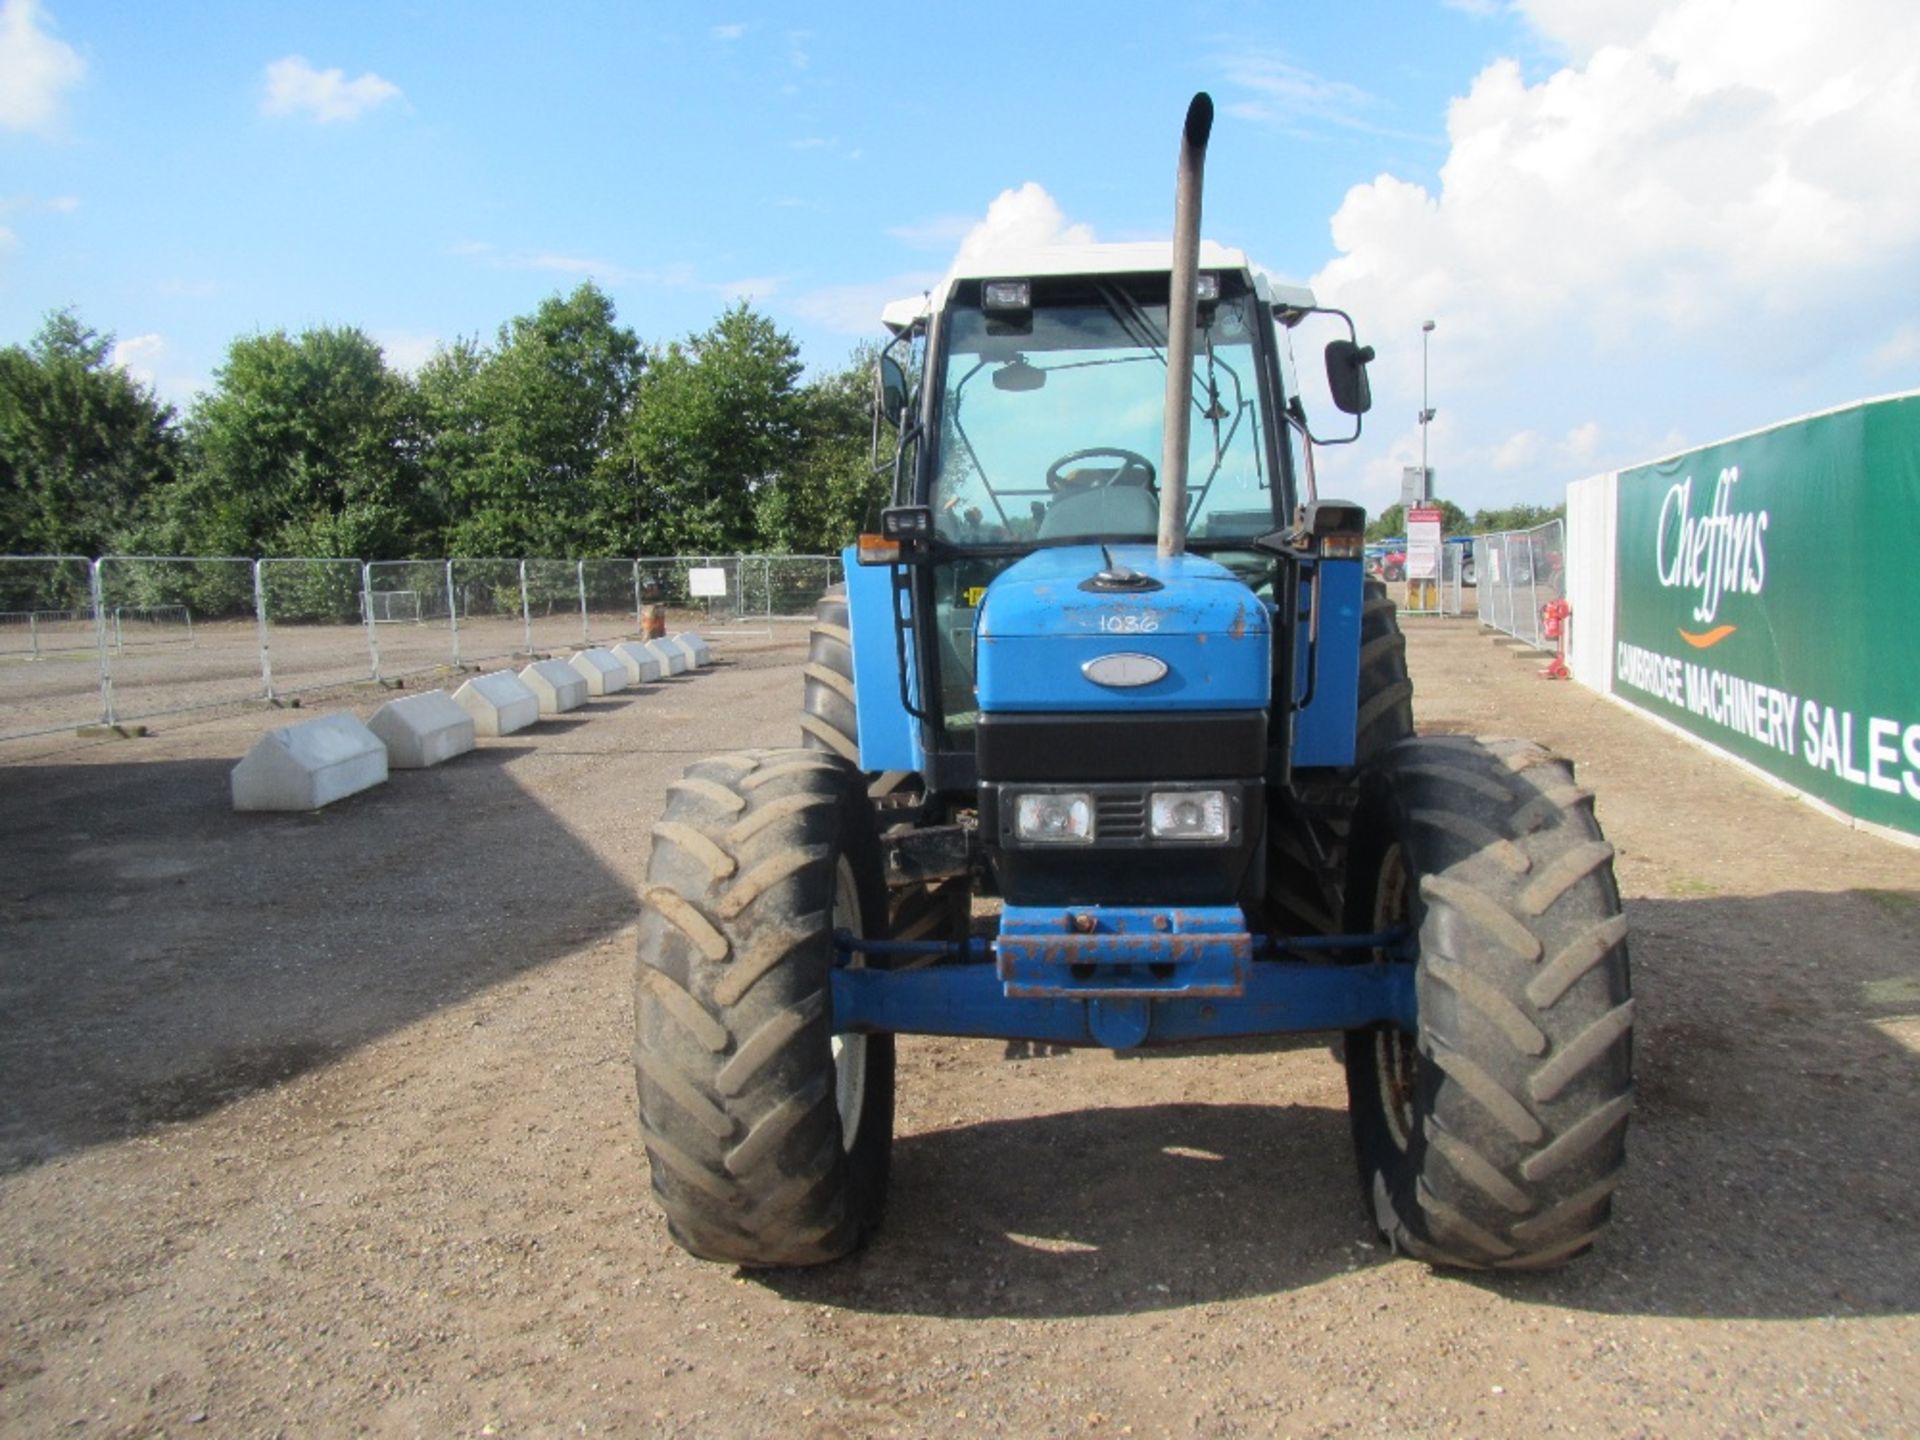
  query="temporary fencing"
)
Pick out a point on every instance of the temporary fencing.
point(127, 637)
point(1518, 573)
point(314, 626)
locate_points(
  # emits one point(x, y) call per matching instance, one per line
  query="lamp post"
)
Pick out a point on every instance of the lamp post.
point(1426, 414)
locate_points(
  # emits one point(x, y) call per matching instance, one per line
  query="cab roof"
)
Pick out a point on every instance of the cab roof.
point(1126, 258)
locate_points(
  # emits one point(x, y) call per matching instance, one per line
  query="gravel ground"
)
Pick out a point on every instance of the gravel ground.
point(322, 1124)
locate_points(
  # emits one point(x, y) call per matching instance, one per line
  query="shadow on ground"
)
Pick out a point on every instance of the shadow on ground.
point(1106, 1211)
point(1773, 1169)
point(165, 955)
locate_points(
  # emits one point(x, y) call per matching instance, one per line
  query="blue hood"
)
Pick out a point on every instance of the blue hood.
point(1039, 625)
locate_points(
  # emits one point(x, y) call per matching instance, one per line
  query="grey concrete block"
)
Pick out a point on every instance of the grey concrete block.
point(558, 685)
point(696, 646)
point(673, 660)
point(604, 674)
point(500, 703)
point(306, 766)
point(422, 730)
point(643, 666)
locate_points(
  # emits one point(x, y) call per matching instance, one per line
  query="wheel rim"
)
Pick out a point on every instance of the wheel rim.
point(849, 1051)
point(1396, 1058)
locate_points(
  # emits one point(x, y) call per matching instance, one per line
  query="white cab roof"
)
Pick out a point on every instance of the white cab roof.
point(1130, 258)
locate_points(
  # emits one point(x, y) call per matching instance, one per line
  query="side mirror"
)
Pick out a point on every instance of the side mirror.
point(1347, 376)
point(893, 391)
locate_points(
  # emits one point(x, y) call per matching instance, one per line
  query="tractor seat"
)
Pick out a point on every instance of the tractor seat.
point(1106, 510)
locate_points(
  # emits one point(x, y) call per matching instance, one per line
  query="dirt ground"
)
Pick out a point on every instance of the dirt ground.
point(323, 1124)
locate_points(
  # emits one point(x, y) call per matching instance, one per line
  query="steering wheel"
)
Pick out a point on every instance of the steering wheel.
point(1135, 468)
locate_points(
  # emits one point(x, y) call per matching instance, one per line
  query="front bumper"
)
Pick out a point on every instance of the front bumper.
point(1125, 977)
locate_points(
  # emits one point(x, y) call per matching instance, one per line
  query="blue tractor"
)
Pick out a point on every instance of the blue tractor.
point(1111, 662)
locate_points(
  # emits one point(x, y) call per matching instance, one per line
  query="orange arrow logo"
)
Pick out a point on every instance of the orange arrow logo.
point(1710, 638)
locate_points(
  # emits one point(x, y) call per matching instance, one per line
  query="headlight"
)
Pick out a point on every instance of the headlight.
point(1189, 815)
point(1063, 818)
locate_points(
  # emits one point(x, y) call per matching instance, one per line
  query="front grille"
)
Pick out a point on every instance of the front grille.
point(1120, 816)
point(1091, 748)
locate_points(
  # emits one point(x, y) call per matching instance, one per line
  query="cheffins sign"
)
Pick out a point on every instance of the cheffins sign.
point(1767, 602)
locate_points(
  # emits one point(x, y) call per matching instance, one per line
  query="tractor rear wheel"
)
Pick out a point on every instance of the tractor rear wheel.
point(768, 1135)
point(1494, 1137)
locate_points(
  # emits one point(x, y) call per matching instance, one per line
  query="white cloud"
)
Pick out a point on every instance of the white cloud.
point(407, 350)
point(148, 360)
point(294, 87)
point(727, 32)
point(855, 309)
point(1019, 220)
point(64, 204)
point(1016, 220)
point(35, 69)
point(1703, 201)
point(1519, 451)
point(138, 354)
point(1582, 442)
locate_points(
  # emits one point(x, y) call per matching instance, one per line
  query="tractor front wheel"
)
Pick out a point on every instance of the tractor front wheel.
point(1494, 1136)
point(767, 1134)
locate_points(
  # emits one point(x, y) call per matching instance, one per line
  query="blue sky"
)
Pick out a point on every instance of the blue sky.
point(1637, 225)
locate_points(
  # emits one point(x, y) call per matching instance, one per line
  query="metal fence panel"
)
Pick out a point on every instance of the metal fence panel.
point(125, 637)
point(182, 634)
point(411, 606)
point(488, 611)
point(49, 645)
point(786, 587)
point(719, 579)
point(613, 600)
point(556, 613)
point(313, 626)
point(1519, 573)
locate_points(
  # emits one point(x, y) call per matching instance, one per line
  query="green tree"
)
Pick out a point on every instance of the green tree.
point(84, 448)
point(717, 423)
point(305, 446)
point(1517, 517)
point(524, 441)
point(830, 491)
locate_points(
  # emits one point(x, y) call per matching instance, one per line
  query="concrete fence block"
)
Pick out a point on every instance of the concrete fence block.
point(500, 703)
point(604, 674)
point(558, 685)
point(306, 766)
point(422, 730)
point(643, 666)
point(696, 646)
point(673, 660)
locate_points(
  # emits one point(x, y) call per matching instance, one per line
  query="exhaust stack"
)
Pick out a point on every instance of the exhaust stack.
point(1182, 305)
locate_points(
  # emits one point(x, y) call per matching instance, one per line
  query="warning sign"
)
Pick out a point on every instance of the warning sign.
point(1423, 542)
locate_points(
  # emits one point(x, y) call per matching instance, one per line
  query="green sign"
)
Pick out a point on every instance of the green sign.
point(1769, 602)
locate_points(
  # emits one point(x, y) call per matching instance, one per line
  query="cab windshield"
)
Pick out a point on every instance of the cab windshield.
point(1051, 418)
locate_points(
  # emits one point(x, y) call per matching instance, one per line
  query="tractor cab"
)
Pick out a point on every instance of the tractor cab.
point(1038, 425)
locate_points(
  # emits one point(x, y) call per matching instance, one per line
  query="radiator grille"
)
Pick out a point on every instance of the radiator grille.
point(1120, 816)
